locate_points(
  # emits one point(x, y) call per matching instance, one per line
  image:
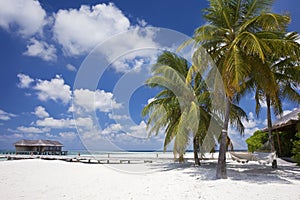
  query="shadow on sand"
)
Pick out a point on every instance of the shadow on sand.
point(251, 172)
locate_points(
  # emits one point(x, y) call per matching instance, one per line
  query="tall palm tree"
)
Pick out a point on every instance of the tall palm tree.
point(167, 110)
point(238, 35)
point(286, 73)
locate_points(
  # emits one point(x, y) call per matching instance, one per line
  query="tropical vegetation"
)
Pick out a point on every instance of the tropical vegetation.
point(252, 51)
point(296, 149)
point(241, 36)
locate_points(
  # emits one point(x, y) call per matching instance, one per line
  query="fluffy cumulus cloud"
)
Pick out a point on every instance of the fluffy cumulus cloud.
point(41, 112)
point(139, 131)
point(139, 42)
point(93, 25)
point(27, 17)
point(55, 89)
point(117, 117)
point(87, 101)
point(67, 135)
point(252, 125)
point(112, 129)
point(5, 115)
point(32, 129)
point(41, 49)
point(51, 122)
point(71, 68)
point(25, 81)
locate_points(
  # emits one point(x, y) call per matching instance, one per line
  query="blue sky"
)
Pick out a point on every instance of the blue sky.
point(50, 90)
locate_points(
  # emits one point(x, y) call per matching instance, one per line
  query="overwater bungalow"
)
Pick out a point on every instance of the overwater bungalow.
point(39, 147)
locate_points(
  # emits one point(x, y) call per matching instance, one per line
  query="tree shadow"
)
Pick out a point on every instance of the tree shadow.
point(251, 172)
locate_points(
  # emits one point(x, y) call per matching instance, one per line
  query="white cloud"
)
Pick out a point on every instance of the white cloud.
point(55, 89)
point(40, 112)
point(88, 101)
point(71, 68)
point(25, 81)
point(65, 123)
point(93, 25)
point(131, 63)
point(117, 117)
point(139, 130)
point(111, 129)
point(32, 129)
point(13, 137)
point(250, 126)
point(265, 123)
point(26, 15)
point(263, 104)
point(142, 22)
point(68, 135)
point(6, 116)
point(141, 43)
point(41, 49)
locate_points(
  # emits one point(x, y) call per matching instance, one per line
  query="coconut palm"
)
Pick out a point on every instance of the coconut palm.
point(239, 35)
point(286, 73)
point(176, 108)
point(179, 108)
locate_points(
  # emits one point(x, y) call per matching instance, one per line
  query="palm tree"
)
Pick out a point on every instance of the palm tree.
point(177, 107)
point(286, 74)
point(167, 111)
point(238, 35)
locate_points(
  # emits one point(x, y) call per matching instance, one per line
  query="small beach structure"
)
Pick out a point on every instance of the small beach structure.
point(287, 122)
point(39, 147)
point(285, 129)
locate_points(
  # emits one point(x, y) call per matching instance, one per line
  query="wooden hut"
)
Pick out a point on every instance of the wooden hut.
point(287, 122)
point(284, 130)
point(40, 147)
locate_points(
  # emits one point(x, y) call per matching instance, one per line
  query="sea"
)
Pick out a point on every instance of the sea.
point(150, 154)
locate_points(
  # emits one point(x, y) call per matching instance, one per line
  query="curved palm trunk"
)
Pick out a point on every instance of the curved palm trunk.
point(221, 167)
point(196, 148)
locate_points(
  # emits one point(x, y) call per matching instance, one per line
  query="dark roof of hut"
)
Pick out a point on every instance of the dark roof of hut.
point(38, 143)
point(286, 120)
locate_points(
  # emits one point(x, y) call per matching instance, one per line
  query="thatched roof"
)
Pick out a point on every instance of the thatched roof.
point(38, 143)
point(286, 120)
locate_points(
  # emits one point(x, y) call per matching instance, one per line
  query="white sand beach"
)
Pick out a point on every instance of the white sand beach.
point(44, 179)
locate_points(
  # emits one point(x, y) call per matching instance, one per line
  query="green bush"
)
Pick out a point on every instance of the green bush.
point(257, 140)
point(296, 149)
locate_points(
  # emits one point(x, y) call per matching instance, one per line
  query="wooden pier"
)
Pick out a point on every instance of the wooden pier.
point(82, 159)
point(89, 159)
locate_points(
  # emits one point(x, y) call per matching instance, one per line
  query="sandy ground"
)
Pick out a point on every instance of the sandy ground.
point(41, 179)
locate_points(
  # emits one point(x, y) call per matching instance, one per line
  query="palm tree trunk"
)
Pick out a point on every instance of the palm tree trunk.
point(221, 167)
point(181, 159)
point(196, 148)
point(271, 141)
